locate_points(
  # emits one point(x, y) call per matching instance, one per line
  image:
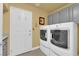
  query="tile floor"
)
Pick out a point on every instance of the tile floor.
point(36, 52)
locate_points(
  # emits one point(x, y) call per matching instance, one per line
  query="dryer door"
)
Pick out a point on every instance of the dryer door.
point(43, 35)
point(59, 38)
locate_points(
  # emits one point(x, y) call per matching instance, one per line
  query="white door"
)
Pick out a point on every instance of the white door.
point(27, 16)
point(20, 24)
point(1, 22)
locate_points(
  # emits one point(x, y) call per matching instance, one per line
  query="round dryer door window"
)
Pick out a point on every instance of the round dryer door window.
point(60, 38)
point(43, 35)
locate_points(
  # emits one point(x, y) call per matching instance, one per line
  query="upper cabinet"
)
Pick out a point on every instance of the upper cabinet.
point(53, 19)
point(63, 16)
point(56, 17)
point(66, 15)
point(50, 19)
point(76, 12)
point(70, 13)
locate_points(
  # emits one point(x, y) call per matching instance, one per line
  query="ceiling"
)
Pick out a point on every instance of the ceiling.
point(49, 6)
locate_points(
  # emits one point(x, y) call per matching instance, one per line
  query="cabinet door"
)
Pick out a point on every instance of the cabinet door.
point(63, 16)
point(1, 24)
point(76, 12)
point(55, 18)
point(1, 47)
point(50, 19)
point(70, 13)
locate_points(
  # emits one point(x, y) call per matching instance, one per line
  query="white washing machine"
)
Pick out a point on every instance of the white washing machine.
point(44, 45)
point(59, 39)
point(63, 39)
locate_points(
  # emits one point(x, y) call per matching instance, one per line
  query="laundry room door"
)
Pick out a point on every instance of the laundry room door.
point(20, 25)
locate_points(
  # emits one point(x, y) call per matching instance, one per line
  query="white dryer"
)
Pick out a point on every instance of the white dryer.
point(63, 39)
point(44, 45)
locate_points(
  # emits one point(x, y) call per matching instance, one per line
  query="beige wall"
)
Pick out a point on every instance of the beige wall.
point(36, 12)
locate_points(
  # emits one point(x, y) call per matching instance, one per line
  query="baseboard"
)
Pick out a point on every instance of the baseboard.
point(34, 48)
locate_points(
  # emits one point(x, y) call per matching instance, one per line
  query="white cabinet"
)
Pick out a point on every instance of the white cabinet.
point(50, 19)
point(76, 12)
point(73, 12)
point(1, 28)
point(60, 17)
point(55, 18)
point(20, 31)
point(1, 51)
point(68, 14)
point(63, 16)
